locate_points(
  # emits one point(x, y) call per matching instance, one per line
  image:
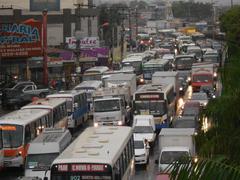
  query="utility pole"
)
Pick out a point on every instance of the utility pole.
point(79, 36)
point(45, 58)
point(130, 29)
point(136, 18)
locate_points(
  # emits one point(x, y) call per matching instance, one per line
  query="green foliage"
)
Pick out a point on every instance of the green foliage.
point(204, 169)
point(230, 23)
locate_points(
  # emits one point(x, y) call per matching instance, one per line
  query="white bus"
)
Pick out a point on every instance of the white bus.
point(77, 107)
point(136, 61)
point(94, 73)
point(58, 108)
point(104, 152)
point(19, 128)
point(156, 100)
point(150, 67)
point(44, 149)
point(1, 150)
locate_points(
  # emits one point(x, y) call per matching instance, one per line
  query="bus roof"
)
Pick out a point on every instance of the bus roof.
point(47, 103)
point(97, 69)
point(154, 88)
point(97, 145)
point(156, 62)
point(89, 84)
point(65, 94)
point(23, 116)
point(51, 140)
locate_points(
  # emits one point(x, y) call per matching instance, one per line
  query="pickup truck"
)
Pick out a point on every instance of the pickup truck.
point(21, 95)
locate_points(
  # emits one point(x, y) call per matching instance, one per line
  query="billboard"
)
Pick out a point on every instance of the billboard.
point(21, 39)
point(39, 5)
point(86, 42)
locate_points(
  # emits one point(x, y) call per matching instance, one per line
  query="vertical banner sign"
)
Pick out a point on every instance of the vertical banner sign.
point(21, 40)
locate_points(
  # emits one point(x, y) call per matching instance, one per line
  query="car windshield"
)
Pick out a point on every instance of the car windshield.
point(39, 161)
point(106, 105)
point(169, 157)
point(150, 107)
point(12, 135)
point(143, 129)
point(138, 145)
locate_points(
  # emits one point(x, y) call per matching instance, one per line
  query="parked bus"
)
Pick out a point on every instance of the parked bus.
point(150, 67)
point(77, 107)
point(58, 108)
point(94, 73)
point(96, 155)
point(1, 150)
point(156, 100)
point(19, 128)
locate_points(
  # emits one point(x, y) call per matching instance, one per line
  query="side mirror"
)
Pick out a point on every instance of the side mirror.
point(156, 161)
point(45, 178)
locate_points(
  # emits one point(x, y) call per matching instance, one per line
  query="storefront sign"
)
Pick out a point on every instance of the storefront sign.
point(21, 40)
point(87, 42)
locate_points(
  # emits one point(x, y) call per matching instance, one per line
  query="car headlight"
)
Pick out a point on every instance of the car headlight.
point(213, 96)
point(95, 124)
point(181, 88)
point(189, 79)
point(205, 104)
point(215, 74)
point(120, 123)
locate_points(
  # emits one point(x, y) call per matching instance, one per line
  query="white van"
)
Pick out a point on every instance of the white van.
point(144, 127)
point(44, 149)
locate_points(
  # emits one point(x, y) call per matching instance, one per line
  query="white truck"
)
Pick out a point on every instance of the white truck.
point(44, 149)
point(203, 74)
point(167, 77)
point(175, 143)
point(119, 79)
point(111, 106)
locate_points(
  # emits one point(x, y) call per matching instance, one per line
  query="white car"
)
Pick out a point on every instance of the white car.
point(144, 126)
point(200, 97)
point(141, 150)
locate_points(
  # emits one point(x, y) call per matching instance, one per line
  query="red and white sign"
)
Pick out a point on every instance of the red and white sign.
point(21, 39)
point(86, 42)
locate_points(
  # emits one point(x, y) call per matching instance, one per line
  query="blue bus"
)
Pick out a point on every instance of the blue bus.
point(77, 106)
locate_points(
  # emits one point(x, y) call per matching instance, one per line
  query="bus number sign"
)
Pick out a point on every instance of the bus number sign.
point(87, 167)
point(149, 97)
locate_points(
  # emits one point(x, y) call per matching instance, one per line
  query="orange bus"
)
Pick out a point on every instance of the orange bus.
point(19, 128)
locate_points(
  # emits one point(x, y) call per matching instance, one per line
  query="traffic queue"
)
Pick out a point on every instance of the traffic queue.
point(156, 95)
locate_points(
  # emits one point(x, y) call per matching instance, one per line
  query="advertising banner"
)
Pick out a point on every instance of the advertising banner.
point(21, 39)
point(86, 42)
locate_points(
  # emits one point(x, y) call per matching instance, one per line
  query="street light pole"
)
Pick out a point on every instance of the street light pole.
point(45, 59)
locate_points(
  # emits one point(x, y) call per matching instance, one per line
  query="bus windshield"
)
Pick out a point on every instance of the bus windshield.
point(107, 105)
point(40, 161)
point(157, 108)
point(12, 135)
point(137, 65)
point(202, 78)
